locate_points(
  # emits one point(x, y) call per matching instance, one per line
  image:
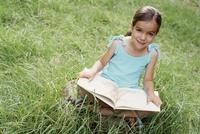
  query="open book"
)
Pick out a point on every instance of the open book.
point(118, 98)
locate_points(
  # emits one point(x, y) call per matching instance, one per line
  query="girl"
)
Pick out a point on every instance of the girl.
point(127, 57)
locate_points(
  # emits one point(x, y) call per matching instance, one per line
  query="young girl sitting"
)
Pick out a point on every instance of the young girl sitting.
point(127, 57)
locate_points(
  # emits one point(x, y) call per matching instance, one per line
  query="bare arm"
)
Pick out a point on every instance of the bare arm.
point(100, 64)
point(148, 80)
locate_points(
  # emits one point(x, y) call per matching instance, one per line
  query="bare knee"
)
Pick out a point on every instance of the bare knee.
point(143, 114)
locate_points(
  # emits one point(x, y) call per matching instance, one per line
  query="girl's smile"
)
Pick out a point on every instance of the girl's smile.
point(143, 34)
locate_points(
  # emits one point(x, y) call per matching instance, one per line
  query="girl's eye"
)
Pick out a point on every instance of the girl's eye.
point(151, 34)
point(139, 30)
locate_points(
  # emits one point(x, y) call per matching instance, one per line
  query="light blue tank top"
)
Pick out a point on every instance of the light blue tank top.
point(124, 69)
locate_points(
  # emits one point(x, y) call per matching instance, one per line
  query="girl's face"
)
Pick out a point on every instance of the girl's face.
point(143, 34)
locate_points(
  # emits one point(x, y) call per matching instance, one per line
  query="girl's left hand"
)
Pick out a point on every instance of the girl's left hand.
point(155, 99)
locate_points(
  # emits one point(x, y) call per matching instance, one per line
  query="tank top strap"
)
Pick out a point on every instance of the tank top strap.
point(114, 38)
point(119, 40)
point(151, 49)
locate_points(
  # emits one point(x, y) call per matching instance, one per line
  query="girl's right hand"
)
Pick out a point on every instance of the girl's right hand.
point(87, 73)
point(155, 99)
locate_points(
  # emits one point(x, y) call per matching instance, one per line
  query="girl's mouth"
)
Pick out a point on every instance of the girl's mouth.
point(141, 43)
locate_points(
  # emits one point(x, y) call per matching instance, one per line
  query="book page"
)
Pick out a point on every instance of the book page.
point(134, 99)
point(100, 86)
point(105, 100)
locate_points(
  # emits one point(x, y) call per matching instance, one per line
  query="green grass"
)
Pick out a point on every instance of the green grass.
point(44, 44)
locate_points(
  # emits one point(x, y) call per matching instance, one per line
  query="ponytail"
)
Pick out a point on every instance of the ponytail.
point(129, 32)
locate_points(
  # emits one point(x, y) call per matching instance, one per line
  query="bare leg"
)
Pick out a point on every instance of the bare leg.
point(105, 109)
point(83, 93)
point(143, 114)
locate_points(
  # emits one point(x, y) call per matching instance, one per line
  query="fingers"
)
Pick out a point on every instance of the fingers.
point(87, 74)
point(148, 99)
point(157, 103)
point(91, 78)
point(84, 74)
point(155, 99)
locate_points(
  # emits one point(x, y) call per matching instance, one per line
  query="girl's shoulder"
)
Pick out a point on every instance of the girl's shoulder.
point(115, 43)
point(114, 40)
point(154, 50)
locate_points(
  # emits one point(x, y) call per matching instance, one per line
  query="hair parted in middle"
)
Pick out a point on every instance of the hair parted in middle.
point(146, 13)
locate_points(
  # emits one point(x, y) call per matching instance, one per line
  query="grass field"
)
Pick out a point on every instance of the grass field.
point(45, 43)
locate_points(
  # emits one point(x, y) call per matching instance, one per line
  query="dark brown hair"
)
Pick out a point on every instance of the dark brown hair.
point(146, 13)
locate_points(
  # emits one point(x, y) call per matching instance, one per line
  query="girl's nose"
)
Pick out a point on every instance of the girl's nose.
point(143, 36)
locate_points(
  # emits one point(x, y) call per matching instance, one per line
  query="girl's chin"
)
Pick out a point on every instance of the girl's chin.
point(140, 46)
